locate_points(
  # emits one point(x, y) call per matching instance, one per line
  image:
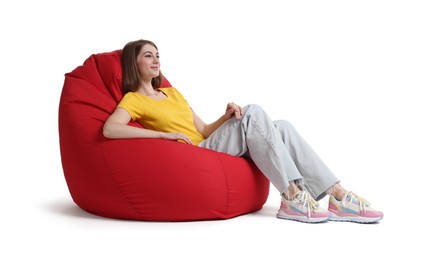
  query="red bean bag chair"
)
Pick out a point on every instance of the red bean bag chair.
point(143, 179)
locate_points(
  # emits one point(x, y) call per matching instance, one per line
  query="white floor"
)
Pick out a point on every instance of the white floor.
point(345, 73)
point(50, 226)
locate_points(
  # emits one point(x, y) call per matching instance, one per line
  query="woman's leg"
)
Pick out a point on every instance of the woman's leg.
point(256, 135)
point(317, 178)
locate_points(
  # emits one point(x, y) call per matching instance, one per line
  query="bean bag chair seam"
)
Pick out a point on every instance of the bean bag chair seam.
point(226, 183)
point(118, 186)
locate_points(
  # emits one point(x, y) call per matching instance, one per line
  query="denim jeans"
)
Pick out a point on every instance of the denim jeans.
point(276, 148)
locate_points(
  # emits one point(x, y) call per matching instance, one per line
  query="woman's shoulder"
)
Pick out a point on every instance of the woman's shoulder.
point(131, 97)
point(130, 94)
point(171, 90)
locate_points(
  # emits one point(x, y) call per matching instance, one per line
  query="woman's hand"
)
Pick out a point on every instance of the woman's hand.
point(177, 137)
point(233, 110)
point(207, 129)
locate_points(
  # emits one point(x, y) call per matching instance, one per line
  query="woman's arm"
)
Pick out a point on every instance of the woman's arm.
point(116, 127)
point(207, 129)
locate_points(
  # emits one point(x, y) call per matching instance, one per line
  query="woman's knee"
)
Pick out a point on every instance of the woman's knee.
point(254, 109)
point(256, 114)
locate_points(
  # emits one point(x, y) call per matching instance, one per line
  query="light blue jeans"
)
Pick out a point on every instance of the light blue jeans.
point(276, 148)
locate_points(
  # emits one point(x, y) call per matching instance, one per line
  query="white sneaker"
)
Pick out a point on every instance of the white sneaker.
point(353, 208)
point(302, 207)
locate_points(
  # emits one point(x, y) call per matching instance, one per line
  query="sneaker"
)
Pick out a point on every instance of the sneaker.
point(353, 208)
point(302, 207)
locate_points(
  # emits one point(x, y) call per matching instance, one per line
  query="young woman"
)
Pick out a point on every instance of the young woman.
point(276, 147)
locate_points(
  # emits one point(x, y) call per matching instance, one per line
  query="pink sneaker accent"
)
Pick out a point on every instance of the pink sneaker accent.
point(353, 208)
point(302, 207)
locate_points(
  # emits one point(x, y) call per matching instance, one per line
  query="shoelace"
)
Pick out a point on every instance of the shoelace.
point(307, 200)
point(351, 196)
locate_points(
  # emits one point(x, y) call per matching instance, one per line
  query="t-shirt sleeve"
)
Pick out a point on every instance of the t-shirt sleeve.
point(133, 105)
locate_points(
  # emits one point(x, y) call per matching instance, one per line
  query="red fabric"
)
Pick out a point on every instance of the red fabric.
point(143, 179)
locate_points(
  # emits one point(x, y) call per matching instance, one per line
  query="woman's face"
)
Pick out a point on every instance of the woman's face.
point(148, 62)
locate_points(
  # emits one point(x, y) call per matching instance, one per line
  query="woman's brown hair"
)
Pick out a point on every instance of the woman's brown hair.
point(131, 76)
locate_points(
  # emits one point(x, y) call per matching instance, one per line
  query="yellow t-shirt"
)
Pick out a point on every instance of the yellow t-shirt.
point(172, 114)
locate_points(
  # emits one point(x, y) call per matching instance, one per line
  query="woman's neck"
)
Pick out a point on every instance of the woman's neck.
point(146, 88)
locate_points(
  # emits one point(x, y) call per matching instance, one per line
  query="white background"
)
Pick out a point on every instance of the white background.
point(345, 73)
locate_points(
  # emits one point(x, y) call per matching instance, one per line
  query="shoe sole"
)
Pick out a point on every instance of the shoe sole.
point(357, 219)
point(303, 219)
